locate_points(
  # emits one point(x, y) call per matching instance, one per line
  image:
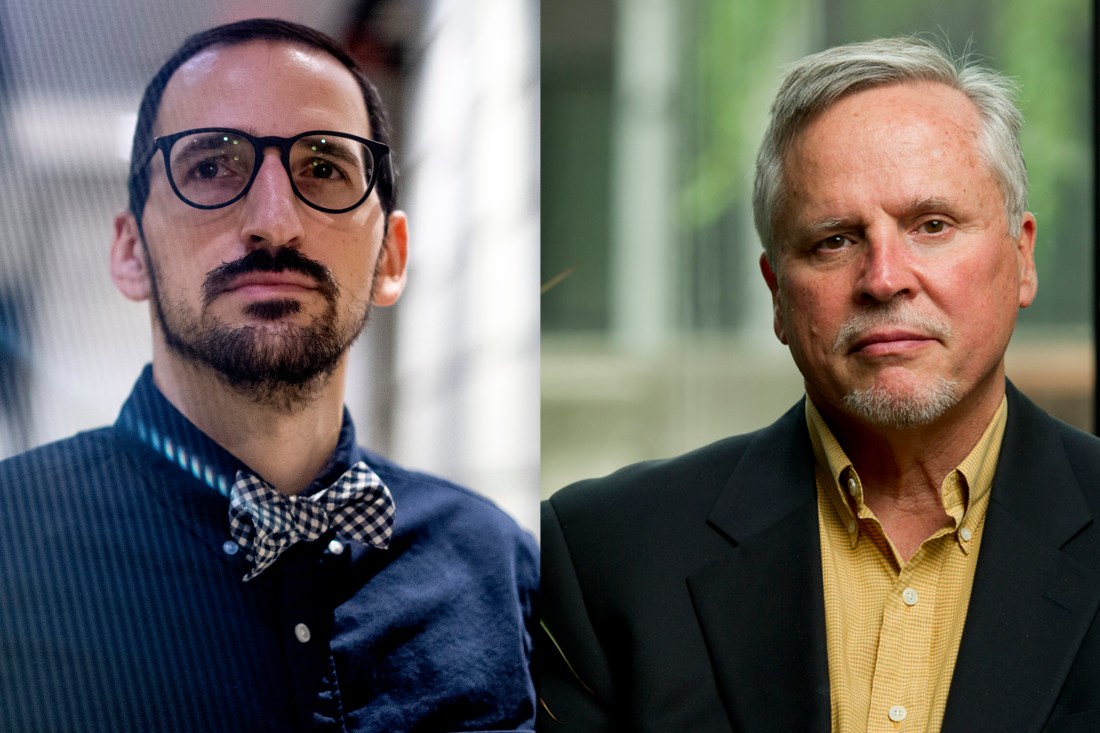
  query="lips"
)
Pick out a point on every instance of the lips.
point(261, 281)
point(888, 341)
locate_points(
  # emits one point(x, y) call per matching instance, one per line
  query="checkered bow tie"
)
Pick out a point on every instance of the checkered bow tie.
point(265, 523)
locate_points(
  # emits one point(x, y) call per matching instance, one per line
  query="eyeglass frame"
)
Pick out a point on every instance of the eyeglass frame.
point(379, 152)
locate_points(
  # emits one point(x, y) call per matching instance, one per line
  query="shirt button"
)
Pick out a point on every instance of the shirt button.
point(852, 526)
point(852, 486)
point(301, 633)
point(897, 713)
point(335, 547)
point(966, 534)
point(229, 547)
point(909, 595)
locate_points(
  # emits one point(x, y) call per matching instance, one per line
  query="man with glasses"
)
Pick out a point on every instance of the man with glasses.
point(225, 557)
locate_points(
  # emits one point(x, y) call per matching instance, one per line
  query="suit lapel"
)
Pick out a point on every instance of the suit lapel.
point(761, 608)
point(1031, 602)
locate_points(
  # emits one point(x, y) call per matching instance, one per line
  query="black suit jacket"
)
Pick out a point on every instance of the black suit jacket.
point(686, 594)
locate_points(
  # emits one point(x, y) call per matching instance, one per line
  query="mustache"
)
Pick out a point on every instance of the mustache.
point(284, 259)
point(859, 324)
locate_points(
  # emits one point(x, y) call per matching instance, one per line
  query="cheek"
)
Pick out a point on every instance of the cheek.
point(355, 255)
point(980, 285)
point(351, 262)
point(812, 314)
point(179, 265)
point(348, 247)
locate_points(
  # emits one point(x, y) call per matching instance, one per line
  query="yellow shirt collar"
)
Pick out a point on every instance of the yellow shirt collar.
point(965, 487)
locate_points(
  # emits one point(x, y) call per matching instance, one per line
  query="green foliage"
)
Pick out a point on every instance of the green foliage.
point(728, 50)
point(1045, 46)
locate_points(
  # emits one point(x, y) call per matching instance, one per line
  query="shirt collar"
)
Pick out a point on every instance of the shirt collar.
point(964, 488)
point(158, 426)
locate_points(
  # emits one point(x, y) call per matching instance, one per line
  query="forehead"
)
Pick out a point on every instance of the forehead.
point(905, 141)
point(263, 87)
point(930, 114)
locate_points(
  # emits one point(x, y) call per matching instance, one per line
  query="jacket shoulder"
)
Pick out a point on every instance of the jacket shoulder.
point(75, 456)
point(1079, 445)
point(1032, 436)
point(700, 470)
point(1083, 453)
point(688, 484)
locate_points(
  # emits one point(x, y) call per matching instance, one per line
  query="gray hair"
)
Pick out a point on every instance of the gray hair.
point(813, 84)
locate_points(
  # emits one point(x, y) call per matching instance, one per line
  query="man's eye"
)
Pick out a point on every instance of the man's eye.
point(321, 169)
point(207, 169)
point(934, 226)
point(834, 242)
point(324, 170)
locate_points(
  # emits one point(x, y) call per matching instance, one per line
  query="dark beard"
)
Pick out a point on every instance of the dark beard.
point(282, 365)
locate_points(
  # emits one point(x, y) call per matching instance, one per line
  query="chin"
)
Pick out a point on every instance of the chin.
point(913, 403)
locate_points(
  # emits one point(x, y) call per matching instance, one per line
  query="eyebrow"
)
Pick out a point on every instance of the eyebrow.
point(345, 152)
point(914, 206)
point(206, 141)
point(833, 223)
point(929, 203)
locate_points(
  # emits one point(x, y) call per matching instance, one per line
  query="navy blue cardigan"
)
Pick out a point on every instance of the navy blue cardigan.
point(122, 607)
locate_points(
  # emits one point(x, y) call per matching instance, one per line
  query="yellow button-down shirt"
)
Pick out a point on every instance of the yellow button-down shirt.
point(893, 627)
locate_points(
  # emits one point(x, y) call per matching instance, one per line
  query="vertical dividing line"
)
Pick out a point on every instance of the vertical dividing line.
point(1094, 48)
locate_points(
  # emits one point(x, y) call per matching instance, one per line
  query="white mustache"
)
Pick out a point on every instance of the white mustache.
point(859, 324)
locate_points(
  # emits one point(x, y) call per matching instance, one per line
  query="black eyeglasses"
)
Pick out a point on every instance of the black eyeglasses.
point(212, 167)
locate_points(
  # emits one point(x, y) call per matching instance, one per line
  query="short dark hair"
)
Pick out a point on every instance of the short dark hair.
point(234, 34)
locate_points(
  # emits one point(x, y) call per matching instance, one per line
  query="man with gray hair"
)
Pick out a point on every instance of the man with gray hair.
point(911, 546)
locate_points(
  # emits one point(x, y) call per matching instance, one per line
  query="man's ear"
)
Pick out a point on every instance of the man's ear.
point(1025, 258)
point(777, 304)
point(392, 260)
point(129, 267)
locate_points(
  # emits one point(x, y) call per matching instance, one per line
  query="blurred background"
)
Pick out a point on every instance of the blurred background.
point(656, 325)
point(445, 382)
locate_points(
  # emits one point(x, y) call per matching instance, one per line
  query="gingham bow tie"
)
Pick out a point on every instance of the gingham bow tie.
point(264, 522)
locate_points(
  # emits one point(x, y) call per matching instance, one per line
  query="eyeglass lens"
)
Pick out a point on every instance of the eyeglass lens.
point(328, 171)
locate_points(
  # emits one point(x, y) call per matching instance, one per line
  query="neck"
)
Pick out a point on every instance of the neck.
point(902, 469)
point(258, 431)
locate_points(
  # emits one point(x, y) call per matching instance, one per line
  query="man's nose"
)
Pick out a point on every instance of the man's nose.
point(885, 272)
point(272, 215)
